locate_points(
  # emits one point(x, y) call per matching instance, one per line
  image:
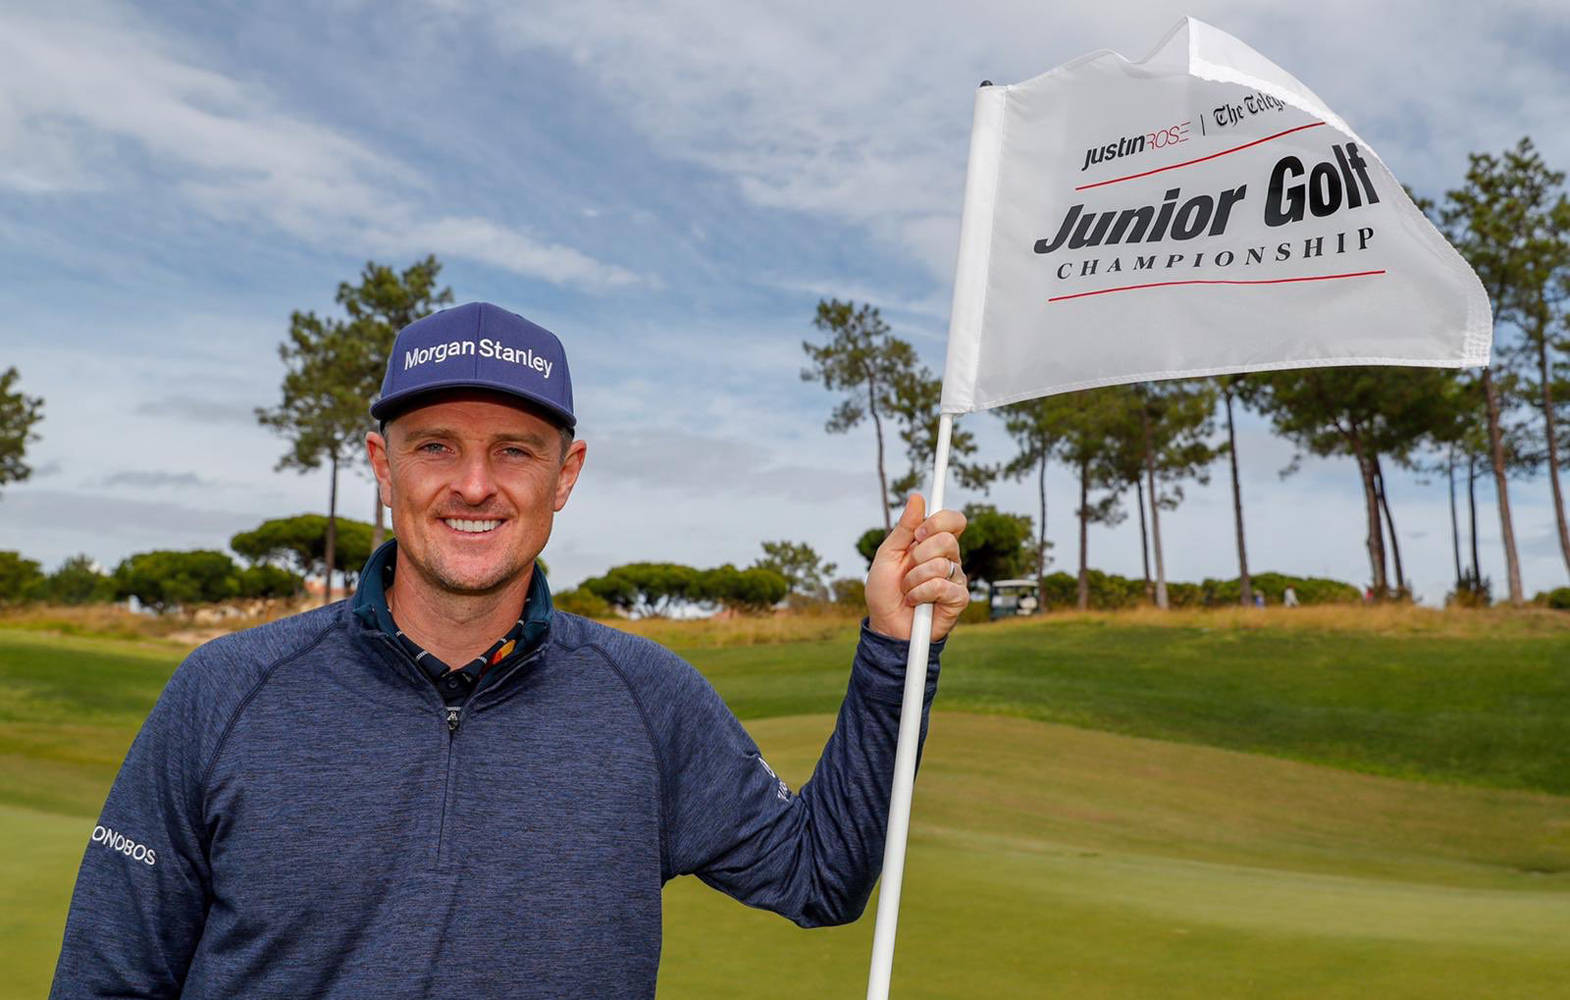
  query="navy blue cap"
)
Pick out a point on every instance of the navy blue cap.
point(477, 346)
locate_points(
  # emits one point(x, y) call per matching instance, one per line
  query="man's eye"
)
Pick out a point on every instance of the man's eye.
point(432, 447)
point(516, 452)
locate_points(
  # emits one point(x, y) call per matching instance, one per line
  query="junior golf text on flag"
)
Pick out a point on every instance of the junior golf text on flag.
point(1195, 213)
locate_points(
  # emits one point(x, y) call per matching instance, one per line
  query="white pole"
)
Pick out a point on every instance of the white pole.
point(905, 757)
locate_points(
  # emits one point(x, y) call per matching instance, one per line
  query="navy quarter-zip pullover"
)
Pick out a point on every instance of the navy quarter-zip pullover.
point(302, 816)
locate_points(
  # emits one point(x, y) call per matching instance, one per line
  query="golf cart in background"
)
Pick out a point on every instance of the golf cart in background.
point(1007, 598)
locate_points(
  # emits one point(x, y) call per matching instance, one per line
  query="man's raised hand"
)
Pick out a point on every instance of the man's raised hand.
point(918, 563)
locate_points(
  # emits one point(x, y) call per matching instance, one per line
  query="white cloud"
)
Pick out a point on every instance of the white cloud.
point(861, 112)
point(74, 88)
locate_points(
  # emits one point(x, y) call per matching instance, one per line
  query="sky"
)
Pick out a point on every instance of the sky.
point(671, 188)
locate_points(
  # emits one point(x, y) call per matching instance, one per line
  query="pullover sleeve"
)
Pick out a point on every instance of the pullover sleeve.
point(812, 856)
point(141, 893)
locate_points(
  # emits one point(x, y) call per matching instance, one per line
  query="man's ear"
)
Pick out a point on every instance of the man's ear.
point(567, 476)
point(376, 453)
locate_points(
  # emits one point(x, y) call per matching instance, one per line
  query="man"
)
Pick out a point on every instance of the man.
point(446, 788)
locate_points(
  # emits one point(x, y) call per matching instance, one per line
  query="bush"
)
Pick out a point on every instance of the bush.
point(976, 612)
point(77, 581)
point(163, 579)
point(301, 542)
point(849, 593)
point(646, 588)
point(579, 601)
point(754, 589)
point(1558, 599)
point(1310, 590)
point(19, 577)
point(1108, 591)
point(269, 581)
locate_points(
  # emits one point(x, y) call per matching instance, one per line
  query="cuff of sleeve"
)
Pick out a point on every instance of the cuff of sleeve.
point(880, 665)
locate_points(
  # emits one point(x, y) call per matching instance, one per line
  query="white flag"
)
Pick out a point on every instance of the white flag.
point(1195, 213)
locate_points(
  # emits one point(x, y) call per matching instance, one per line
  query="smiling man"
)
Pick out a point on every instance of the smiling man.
point(447, 788)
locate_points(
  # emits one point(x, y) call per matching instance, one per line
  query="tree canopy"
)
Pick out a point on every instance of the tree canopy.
point(164, 579)
point(19, 412)
point(805, 572)
point(299, 543)
point(865, 362)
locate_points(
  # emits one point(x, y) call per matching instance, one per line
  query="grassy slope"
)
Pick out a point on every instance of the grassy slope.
point(1049, 858)
point(1051, 861)
point(1487, 710)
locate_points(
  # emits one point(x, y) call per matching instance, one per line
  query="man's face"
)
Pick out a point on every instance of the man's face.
point(474, 483)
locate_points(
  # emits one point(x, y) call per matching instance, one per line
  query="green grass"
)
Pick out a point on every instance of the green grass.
point(1106, 809)
point(1052, 861)
point(1488, 710)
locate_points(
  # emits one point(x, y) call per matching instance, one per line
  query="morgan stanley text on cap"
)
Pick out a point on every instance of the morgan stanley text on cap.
point(477, 346)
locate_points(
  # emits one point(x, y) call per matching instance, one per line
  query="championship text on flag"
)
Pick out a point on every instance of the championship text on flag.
point(1199, 212)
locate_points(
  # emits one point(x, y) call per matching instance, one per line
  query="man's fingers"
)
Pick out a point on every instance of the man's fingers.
point(904, 532)
point(951, 521)
point(932, 569)
point(951, 592)
point(944, 546)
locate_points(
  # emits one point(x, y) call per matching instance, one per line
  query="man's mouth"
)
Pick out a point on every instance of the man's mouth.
point(469, 527)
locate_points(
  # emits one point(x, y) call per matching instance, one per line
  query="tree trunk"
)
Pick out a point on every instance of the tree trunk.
point(1471, 513)
point(1144, 544)
point(1455, 524)
point(1084, 535)
point(1375, 539)
point(1543, 372)
point(378, 525)
point(883, 479)
point(1496, 450)
point(1041, 535)
point(1155, 511)
point(1395, 544)
point(1246, 585)
point(332, 533)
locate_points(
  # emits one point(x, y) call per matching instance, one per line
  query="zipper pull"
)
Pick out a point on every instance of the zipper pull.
point(452, 719)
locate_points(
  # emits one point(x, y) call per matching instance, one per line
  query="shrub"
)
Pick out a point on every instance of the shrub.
point(1310, 590)
point(163, 579)
point(646, 588)
point(301, 543)
point(1558, 599)
point(754, 589)
point(269, 581)
point(18, 577)
point(77, 581)
point(849, 593)
point(579, 601)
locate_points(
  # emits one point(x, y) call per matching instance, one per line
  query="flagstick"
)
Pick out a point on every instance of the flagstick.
point(905, 757)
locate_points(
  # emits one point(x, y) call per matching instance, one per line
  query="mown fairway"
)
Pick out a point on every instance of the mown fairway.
point(1106, 809)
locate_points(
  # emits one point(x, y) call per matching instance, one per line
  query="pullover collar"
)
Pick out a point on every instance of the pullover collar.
point(455, 682)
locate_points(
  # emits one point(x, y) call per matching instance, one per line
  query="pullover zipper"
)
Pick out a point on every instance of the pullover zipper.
point(452, 715)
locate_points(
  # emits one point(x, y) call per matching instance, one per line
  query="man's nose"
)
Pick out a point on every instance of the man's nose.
point(475, 484)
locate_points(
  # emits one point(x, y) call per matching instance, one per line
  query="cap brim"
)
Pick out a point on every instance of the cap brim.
point(387, 407)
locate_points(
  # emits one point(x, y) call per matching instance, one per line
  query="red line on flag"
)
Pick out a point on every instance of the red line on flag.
point(1202, 159)
point(1217, 281)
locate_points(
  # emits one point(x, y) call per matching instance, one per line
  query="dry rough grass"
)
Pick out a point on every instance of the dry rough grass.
point(192, 628)
point(1378, 619)
point(113, 621)
point(743, 630)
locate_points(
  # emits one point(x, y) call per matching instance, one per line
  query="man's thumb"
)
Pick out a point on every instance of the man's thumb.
point(904, 531)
